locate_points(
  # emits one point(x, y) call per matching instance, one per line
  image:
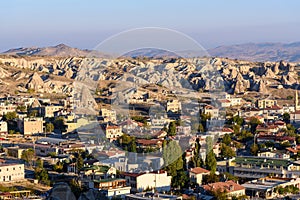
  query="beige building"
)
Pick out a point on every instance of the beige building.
point(29, 126)
point(112, 132)
point(48, 111)
point(196, 175)
point(266, 103)
point(212, 111)
point(11, 172)
point(173, 105)
point(15, 152)
point(108, 115)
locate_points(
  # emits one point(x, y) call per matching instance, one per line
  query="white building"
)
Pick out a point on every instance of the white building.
point(173, 105)
point(154, 180)
point(6, 108)
point(11, 172)
point(3, 128)
point(112, 187)
point(229, 101)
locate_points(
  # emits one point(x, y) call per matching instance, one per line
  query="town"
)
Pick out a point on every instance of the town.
point(149, 141)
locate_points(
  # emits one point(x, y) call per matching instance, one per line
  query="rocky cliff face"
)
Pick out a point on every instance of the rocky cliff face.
point(42, 73)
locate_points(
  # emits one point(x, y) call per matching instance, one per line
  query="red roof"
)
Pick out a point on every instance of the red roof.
point(228, 186)
point(275, 107)
point(128, 122)
point(224, 101)
point(148, 142)
point(199, 170)
point(225, 129)
point(294, 150)
point(209, 107)
point(280, 123)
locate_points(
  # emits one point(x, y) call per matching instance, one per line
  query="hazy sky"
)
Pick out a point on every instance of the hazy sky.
point(85, 23)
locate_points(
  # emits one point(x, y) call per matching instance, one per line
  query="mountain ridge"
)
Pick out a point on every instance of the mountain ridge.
point(259, 52)
point(255, 52)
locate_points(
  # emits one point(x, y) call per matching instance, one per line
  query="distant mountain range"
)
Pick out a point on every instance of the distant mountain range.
point(249, 51)
point(259, 52)
point(60, 50)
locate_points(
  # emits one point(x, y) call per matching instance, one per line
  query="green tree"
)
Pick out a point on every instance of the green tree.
point(209, 143)
point(219, 194)
point(254, 122)
point(41, 173)
point(286, 117)
point(238, 120)
point(59, 123)
point(227, 152)
point(127, 142)
point(231, 177)
point(75, 188)
point(49, 127)
point(58, 167)
point(291, 130)
point(79, 163)
point(211, 162)
point(236, 129)
point(298, 139)
point(10, 116)
point(181, 179)
point(200, 128)
point(245, 136)
point(210, 178)
point(254, 149)
point(33, 113)
point(21, 108)
point(226, 139)
point(28, 156)
point(172, 156)
point(196, 160)
point(172, 129)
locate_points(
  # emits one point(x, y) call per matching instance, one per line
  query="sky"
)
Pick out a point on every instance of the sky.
point(86, 23)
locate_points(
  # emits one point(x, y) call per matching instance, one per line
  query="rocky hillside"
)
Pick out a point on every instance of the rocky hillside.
point(259, 52)
point(56, 75)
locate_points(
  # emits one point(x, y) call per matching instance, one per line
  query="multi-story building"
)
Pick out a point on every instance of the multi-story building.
point(265, 103)
point(11, 172)
point(196, 174)
point(112, 187)
point(212, 111)
point(266, 188)
point(258, 167)
point(112, 132)
point(15, 152)
point(229, 101)
point(108, 115)
point(32, 125)
point(173, 105)
point(48, 111)
point(139, 182)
